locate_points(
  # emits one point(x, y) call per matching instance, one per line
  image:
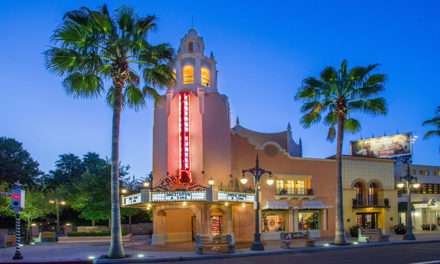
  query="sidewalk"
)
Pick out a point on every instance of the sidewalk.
point(140, 252)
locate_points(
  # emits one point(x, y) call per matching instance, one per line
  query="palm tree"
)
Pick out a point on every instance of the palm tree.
point(435, 121)
point(97, 54)
point(337, 95)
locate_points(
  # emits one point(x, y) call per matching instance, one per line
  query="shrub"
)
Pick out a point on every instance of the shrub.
point(354, 231)
point(400, 229)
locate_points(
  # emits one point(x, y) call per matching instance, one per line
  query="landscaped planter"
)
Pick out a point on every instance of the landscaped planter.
point(89, 239)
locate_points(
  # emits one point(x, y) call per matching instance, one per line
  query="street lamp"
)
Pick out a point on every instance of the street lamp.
point(57, 208)
point(408, 182)
point(257, 173)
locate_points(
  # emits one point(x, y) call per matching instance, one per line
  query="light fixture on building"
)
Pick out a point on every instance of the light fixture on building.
point(184, 203)
point(33, 224)
point(416, 185)
point(400, 185)
point(68, 224)
point(243, 205)
point(140, 255)
point(146, 184)
point(226, 203)
point(124, 191)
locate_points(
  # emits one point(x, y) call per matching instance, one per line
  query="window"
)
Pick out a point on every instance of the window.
point(290, 187)
point(205, 76)
point(300, 187)
point(279, 185)
point(308, 220)
point(188, 74)
point(359, 189)
point(274, 222)
point(373, 194)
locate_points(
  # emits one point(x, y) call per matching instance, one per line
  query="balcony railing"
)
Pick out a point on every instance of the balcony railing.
point(295, 192)
point(358, 203)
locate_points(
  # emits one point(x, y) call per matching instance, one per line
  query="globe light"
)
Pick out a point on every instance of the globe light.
point(400, 185)
point(226, 204)
point(146, 184)
point(270, 181)
point(124, 191)
point(243, 180)
point(416, 185)
point(211, 182)
point(51, 201)
point(63, 202)
point(184, 203)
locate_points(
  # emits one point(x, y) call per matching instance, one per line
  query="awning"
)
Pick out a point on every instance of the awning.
point(313, 205)
point(276, 205)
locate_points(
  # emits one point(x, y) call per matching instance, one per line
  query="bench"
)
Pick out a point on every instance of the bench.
point(47, 236)
point(215, 243)
point(287, 238)
point(366, 235)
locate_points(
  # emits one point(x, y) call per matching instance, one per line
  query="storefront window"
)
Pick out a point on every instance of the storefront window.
point(300, 187)
point(274, 222)
point(309, 220)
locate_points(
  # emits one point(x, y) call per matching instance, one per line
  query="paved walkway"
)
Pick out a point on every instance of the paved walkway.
point(139, 248)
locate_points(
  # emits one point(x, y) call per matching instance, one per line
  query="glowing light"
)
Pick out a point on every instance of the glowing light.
point(51, 201)
point(63, 203)
point(270, 181)
point(140, 255)
point(146, 184)
point(416, 185)
point(226, 204)
point(400, 185)
point(184, 203)
point(355, 243)
point(211, 182)
point(243, 205)
point(205, 76)
point(188, 74)
point(91, 257)
point(184, 138)
point(68, 224)
point(243, 180)
point(326, 245)
point(124, 191)
point(33, 243)
point(417, 214)
point(33, 224)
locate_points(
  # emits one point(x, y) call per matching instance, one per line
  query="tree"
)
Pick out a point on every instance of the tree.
point(91, 46)
point(16, 164)
point(435, 122)
point(68, 169)
point(36, 205)
point(337, 95)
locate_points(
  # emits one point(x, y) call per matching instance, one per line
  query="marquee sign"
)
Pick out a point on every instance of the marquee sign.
point(235, 197)
point(132, 199)
point(178, 196)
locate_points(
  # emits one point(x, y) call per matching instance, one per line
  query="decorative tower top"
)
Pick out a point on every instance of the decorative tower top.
point(194, 71)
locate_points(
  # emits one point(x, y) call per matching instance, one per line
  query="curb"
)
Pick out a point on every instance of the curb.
point(315, 249)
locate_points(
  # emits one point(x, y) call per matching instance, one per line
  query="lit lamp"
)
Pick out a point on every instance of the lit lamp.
point(400, 185)
point(211, 181)
point(146, 184)
point(124, 191)
point(257, 174)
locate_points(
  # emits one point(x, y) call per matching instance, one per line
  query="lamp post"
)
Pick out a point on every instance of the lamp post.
point(257, 174)
point(407, 182)
point(57, 203)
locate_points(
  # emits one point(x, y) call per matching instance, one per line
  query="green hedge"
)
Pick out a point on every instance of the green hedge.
point(90, 234)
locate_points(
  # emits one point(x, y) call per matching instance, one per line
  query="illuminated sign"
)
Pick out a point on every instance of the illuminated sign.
point(132, 199)
point(185, 171)
point(383, 147)
point(178, 196)
point(235, 197)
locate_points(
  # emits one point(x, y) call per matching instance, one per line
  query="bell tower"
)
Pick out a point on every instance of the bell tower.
point(191, 134)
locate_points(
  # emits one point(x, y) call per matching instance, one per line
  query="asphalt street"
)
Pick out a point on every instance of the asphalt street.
point(428, 253)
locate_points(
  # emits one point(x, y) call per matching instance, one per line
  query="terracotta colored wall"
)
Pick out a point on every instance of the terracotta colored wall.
point(322, 172)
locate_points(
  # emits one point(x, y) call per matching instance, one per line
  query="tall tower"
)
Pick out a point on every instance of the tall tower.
point(191, 134)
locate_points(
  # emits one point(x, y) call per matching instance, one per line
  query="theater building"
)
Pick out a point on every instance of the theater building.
point(198, 160)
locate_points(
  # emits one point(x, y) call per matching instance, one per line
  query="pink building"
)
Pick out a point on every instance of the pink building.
point(198, 161)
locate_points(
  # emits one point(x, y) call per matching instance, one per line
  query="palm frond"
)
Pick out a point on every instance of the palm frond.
point(331, 134)
point(352, 125)
point(134, 97)
point(432, 133)
point(83, 85)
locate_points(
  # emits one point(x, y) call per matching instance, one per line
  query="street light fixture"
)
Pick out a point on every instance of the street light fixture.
point(257, 174)
point(407, 183)
point(57, 203)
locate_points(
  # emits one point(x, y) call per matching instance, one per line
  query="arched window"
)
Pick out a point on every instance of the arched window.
point(359, 189)
point(205, 76)
point(188, 74)
point(373, 193)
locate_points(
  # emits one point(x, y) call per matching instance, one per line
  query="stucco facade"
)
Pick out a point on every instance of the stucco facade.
point(370, 195)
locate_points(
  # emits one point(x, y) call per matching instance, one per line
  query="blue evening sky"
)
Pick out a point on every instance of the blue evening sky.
point(263, 48)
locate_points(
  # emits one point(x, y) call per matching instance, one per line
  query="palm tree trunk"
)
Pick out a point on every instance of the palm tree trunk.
point(116, 249)
point(339, 230)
